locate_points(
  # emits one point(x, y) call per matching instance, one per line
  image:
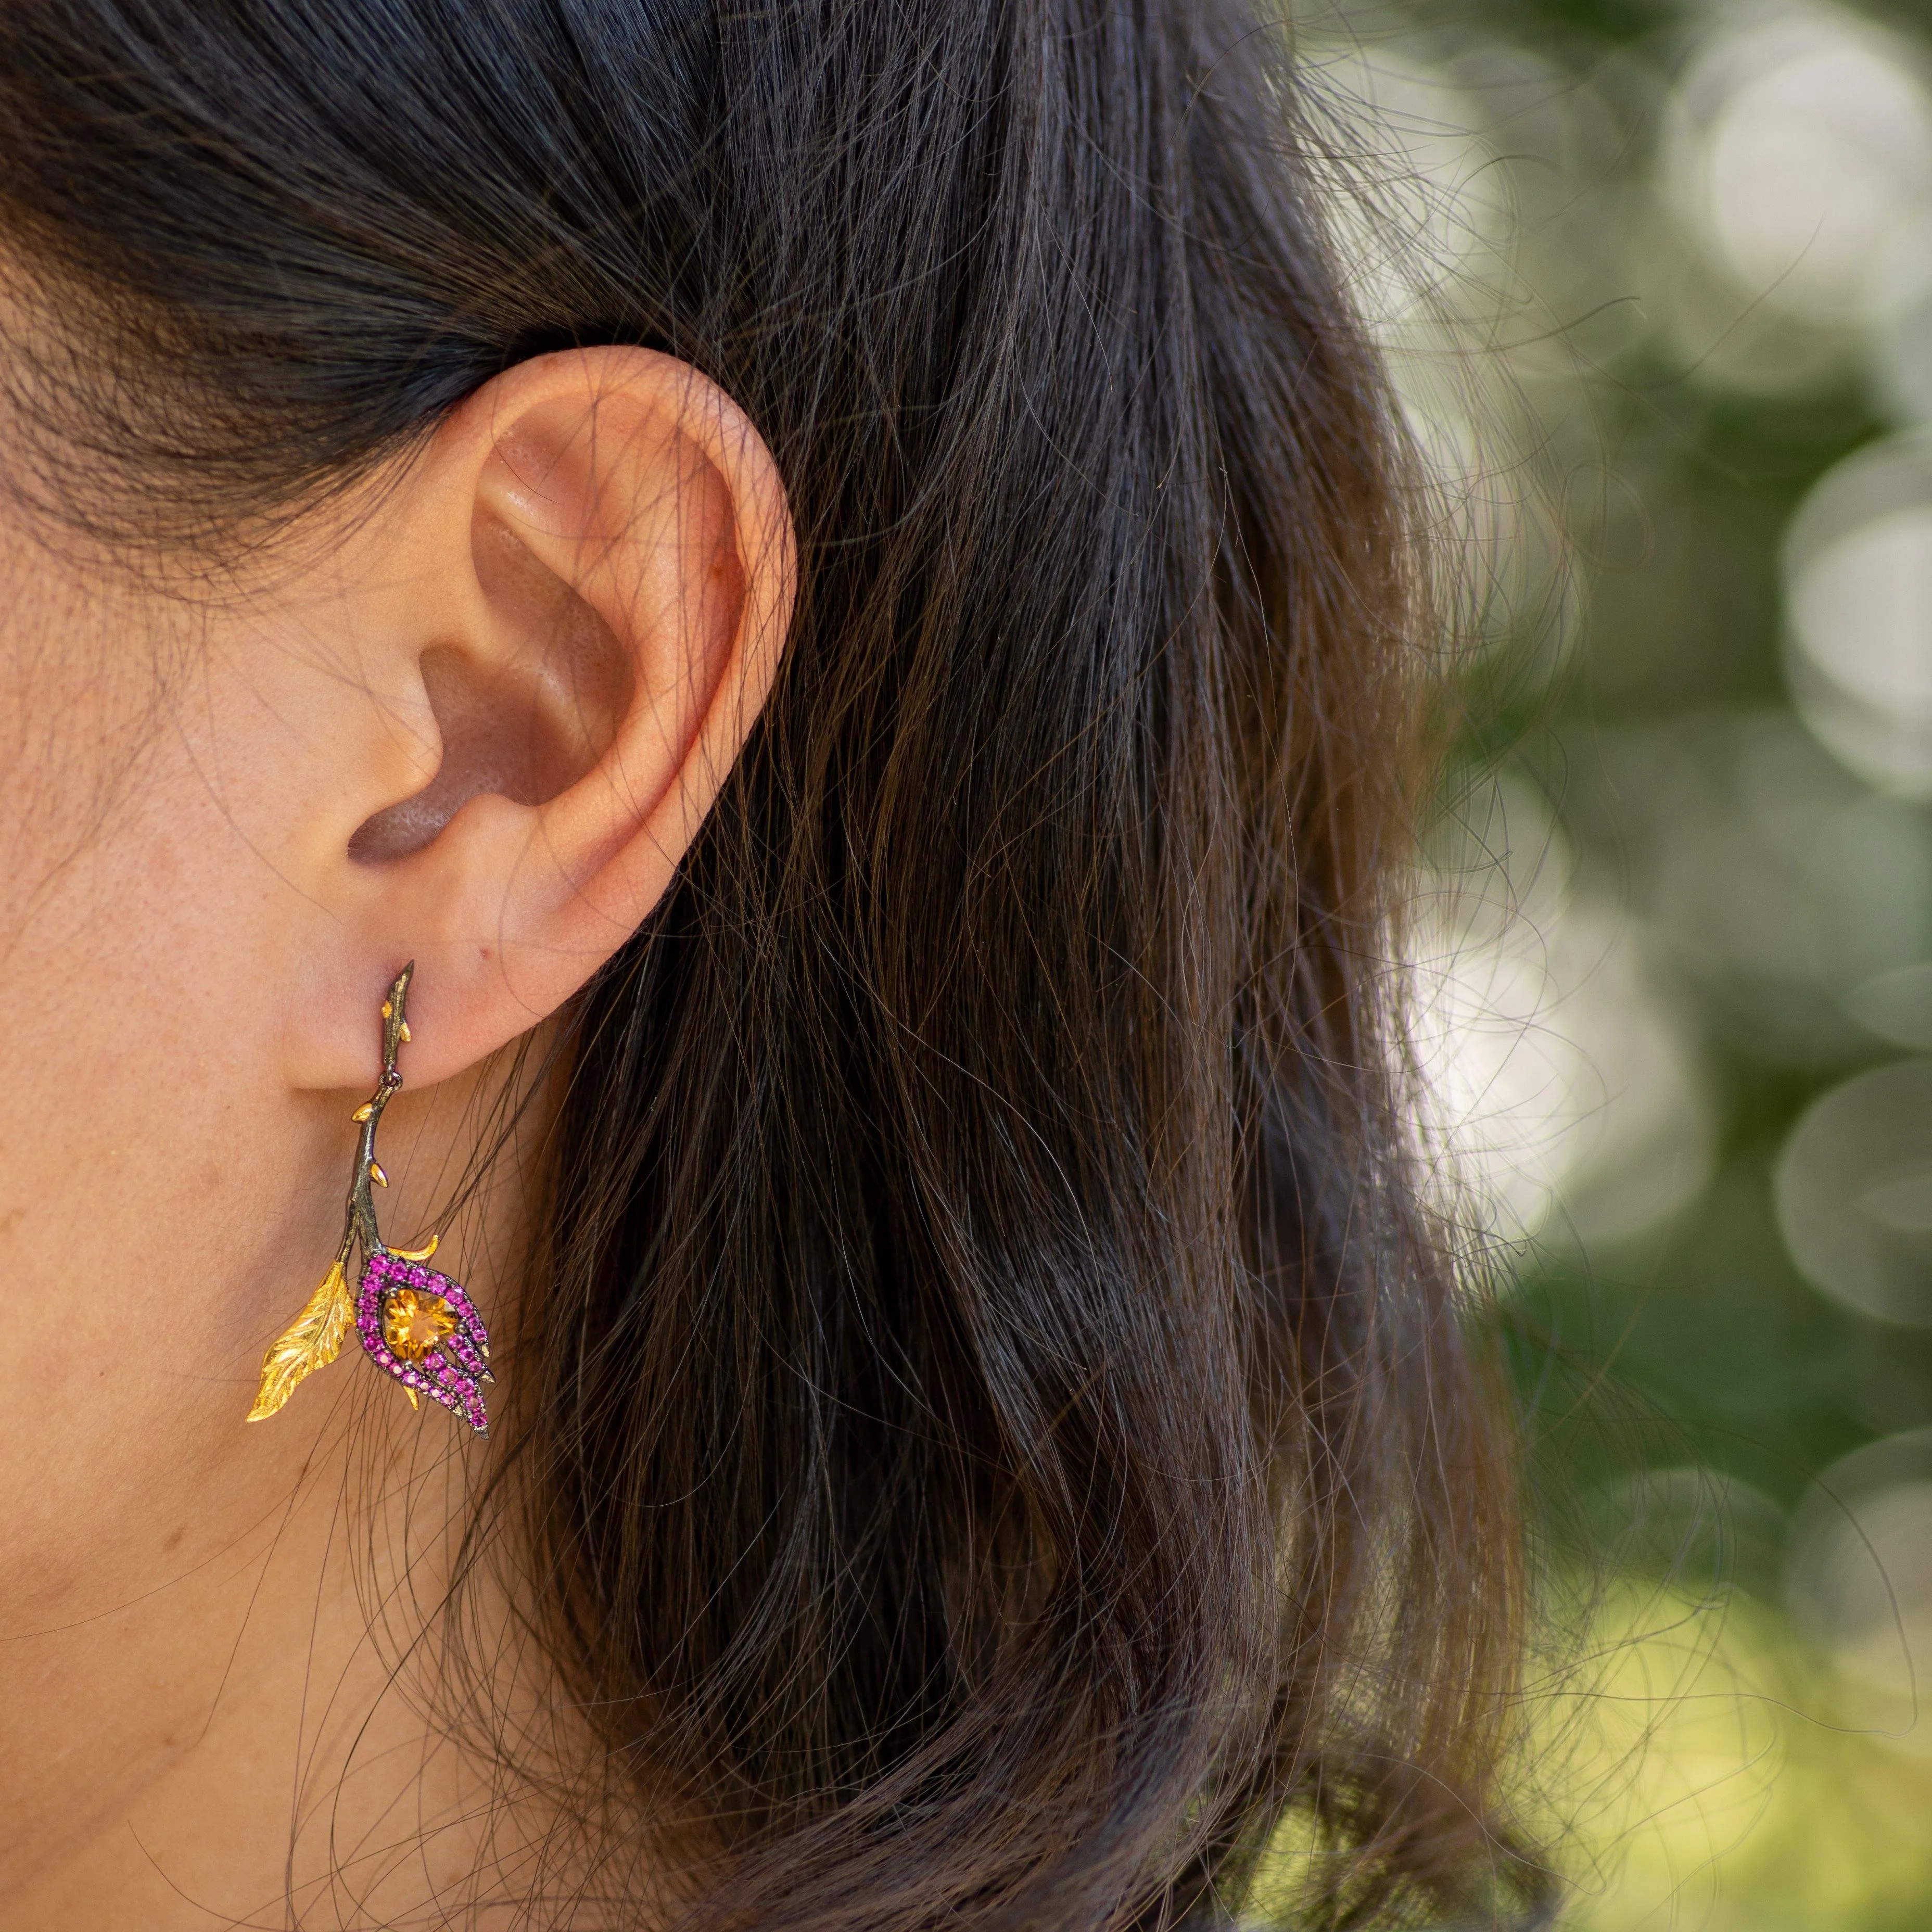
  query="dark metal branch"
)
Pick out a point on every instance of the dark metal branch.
point(358, 1219)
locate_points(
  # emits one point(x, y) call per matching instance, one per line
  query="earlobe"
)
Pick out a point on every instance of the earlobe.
point(600, 570)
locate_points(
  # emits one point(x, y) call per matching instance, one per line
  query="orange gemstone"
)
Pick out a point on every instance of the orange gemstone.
point(414, 1321)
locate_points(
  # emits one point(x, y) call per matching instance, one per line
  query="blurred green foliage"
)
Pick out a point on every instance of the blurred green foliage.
point(1719, 1740)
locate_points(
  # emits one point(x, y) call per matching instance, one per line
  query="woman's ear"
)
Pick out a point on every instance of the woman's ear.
point(569, 611)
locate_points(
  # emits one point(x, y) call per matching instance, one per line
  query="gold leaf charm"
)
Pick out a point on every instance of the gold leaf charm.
point(312, 1341)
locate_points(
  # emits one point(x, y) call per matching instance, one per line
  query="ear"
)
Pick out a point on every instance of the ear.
point(571, 608)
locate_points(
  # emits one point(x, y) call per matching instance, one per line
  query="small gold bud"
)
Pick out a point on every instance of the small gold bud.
point(363, 1112)
point(376, 1174)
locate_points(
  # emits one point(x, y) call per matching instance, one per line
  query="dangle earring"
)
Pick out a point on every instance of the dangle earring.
point(417, 1325)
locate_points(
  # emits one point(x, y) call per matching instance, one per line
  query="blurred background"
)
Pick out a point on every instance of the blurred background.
point(1656, 278)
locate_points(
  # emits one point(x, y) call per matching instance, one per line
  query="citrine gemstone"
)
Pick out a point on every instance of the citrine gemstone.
point(414, 1321)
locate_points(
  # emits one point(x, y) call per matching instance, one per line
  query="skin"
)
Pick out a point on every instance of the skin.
point(471, 714)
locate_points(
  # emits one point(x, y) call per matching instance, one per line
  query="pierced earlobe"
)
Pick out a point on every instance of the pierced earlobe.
point(417, 1325)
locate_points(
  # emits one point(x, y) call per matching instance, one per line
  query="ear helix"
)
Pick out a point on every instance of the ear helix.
point(416, 1325)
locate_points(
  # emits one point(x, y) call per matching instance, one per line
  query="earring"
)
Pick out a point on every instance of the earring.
point(415, 1325)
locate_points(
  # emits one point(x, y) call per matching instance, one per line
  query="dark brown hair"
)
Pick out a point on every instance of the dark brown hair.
point(997, 1436)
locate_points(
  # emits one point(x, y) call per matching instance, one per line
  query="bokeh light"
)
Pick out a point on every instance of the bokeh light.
point(1559, 1078)
point(1860, 1579)
point(1799, 152)
point(1858, 570)
point(1855, 1191)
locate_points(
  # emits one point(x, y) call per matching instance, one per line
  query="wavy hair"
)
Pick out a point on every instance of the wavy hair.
point(998, 1437)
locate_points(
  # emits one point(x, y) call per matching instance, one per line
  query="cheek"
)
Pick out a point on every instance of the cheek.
point(155, 1176)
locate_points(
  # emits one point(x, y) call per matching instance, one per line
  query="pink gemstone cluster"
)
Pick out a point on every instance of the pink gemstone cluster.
point(451, 1372)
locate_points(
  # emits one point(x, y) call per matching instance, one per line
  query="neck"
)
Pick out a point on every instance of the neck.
point(257, 1737)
